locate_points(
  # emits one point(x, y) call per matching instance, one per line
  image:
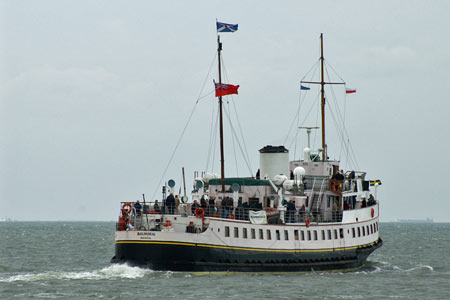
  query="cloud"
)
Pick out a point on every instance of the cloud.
point(399, 54)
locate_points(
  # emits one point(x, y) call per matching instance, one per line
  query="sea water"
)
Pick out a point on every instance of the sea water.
point(71, 260)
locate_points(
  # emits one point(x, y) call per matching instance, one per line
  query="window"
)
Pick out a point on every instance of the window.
point(335, 234)
point(377, 227)
point(315, 235)
point(261, 236)
point(278, 234)
point(244, 233)
point(309, 235)
point(236, 232)
point(329, 234)
point(341, 233)
point(269, 236)
point(296, 235)
point(303, 235)
point(359, 232)
point(286, 235)
point(323, 235)
point(353, 232)
point(253, 233)
point(227, 231)
point(329, 202)
point(367, 229)
point(364, 231)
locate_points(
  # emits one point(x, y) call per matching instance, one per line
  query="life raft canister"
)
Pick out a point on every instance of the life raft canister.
point(199, 212)
point(372, 212)
point(126, 207)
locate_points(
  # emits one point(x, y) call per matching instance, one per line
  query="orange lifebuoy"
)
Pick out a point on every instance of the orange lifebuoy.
point(308, 222)
point(126, 207)
point(168, 223)
point(336, 186)
point(199, 212)
point(372, 212)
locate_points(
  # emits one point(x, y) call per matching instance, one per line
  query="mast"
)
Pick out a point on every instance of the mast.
point(222, 167)
point(322, 92)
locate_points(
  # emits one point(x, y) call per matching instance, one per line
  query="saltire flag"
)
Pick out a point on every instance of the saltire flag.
point(350, 91)
point(302, 87)
point(224, 27)
point(223, 89)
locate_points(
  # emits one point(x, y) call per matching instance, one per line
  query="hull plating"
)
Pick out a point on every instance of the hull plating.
point(204, 258)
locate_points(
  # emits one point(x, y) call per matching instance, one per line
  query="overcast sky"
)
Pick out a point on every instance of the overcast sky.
point(94, 96)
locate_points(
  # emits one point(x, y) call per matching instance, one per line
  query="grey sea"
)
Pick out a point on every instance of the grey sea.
point(70, 260)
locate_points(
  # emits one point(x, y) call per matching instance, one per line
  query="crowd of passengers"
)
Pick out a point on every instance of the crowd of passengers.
point(224, 208)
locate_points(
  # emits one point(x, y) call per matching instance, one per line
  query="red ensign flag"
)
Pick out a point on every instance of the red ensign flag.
point(223, 89)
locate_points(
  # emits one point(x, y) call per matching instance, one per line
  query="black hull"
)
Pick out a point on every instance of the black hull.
point(201, 258)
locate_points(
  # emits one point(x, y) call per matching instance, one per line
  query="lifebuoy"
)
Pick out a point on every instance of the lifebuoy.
point(372, 212)
point(308, 222)
point(126, 207)
point(168, 223)
point(199, 212)
point(335, 186)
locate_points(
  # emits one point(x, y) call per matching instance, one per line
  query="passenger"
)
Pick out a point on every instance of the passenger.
point(211, 206)
point(346, 206)
point(203, 202)
point(170, 202)
point(194, 206)
point(245, 207)
point(156, 207)
point(128, 225)
point(230, 206)
point(177, 204)
point(291, 209)
point(364, 203)
point(339, 176)
point(219, 206)
point(224, 212)
point(191, 227)
point(301, 213)
point(371, 200)
point(258, 174)
point(137, 208)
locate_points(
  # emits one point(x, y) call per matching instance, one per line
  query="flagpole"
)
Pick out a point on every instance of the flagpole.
point(222, 170)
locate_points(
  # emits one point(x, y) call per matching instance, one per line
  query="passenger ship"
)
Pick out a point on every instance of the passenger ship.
point(299, 215)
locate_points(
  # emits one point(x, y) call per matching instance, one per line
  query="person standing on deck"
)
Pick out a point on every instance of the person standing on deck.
point(137, 208)
point(170, 202)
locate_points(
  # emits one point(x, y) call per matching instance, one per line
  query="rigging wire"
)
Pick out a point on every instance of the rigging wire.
point(244, 153)
point(340, 125)
point(212, 136)
point(301, 100)
point(184, 129)
point(234, 146)
point(227, 114)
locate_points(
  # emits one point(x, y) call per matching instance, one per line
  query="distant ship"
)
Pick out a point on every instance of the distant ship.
point(292, 216)
point(5, 219)
point(427, 220)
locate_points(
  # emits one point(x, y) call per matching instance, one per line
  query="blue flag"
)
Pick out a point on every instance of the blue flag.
point(304, 87)
point(224, 27)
